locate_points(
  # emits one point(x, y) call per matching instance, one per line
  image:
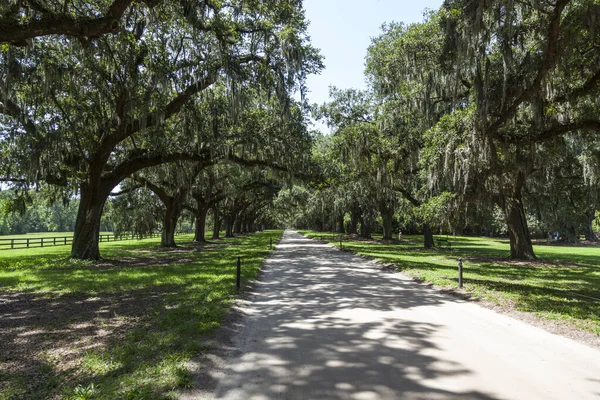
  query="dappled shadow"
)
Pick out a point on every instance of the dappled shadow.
point(140, 312)
point(324, 325)
point(37, 330)
point(559, 287)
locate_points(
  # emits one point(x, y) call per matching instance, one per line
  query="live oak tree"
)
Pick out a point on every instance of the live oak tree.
point(89, 113)
point(135, 210)
point(406, 77)
point(562, 193)
point(532, 72)
point(207, 190)
point(172, 184)
point(22, 21)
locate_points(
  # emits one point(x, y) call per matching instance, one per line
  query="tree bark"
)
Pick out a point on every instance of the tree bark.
point(169, 224)
point(571, 234)
point(217, 222)
point(521, 247)
point(427, 236)
point(387, 218)
point(87, 226)
point(228, 226)
point(365, 229)
point(237, 227)
point(200, 225)
point(340, 224)
point(353, 227)
point(589, 227)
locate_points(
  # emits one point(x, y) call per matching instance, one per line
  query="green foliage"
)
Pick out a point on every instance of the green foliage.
point(33, 211)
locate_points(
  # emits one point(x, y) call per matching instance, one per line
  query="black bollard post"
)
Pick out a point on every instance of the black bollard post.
point(238, 279)
point(460, 273)
point(341, 244)
point(270, 243)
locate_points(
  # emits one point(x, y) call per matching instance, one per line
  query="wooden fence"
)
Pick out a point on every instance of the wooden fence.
point(29, 243)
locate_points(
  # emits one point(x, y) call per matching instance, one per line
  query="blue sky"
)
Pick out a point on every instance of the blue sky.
point(343, 29)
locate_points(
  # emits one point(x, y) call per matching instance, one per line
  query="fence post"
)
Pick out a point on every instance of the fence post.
point(460, 273)
point(270, 243)
point(54, 242)
point(238, 279)
point(42, 243)
point(65, 240)
point(341, 244)
point(27, 243)
point(12, 243)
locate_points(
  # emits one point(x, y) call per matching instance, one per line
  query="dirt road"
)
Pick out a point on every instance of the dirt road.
point(325, 324)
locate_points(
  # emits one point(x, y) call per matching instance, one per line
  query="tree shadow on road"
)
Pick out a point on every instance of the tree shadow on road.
point(327, 326)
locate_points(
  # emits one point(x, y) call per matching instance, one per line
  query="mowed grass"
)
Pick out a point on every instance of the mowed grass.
point(19, 242)
point(43, 235)
point(564, 284)
point(122, 328)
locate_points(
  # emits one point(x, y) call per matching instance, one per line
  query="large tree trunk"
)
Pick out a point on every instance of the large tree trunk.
point(217, 222)
point(200, 225)
point(247, 226)
point(237, 227)
point(571, 234)
point(340, 224)
point(589, 227)
point(427, 236)
point(87, 226)
point(229, 221)
point(365, 229)
point(228, 228)
point(521, 247)
point(387, 217)
point(169, 224)
point(354, 218)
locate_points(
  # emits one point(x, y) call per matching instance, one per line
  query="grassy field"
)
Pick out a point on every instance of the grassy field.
point(122, 328)
point(17, 242)
point(563, 285)
point(43, 235)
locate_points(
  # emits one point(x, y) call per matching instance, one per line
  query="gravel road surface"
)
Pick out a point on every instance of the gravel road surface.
point(325, 324)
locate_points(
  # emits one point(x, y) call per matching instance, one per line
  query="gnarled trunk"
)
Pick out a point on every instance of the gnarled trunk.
point(521, 247)
point(200, 225)
point(589, 227)
point(571, 234)
point(229, 221)
point(237, 227)
point(365, 229)
point(387, 218)
point(354, 218)
point(340, 224)
point(87, 226)
point(427, 236)
point(217, 222)
point(169, 224)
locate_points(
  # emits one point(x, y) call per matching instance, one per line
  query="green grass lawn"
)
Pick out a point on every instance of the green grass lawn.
point(43, 234)
point(560, 286)
point(121, 328)
point(19, 241)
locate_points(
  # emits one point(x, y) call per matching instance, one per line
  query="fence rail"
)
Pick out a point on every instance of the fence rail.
point(30, 243)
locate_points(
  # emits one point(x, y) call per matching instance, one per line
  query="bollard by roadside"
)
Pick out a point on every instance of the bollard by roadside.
point(341, 244)
point(270, 243)
point(460, 273)
point(238, 277)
